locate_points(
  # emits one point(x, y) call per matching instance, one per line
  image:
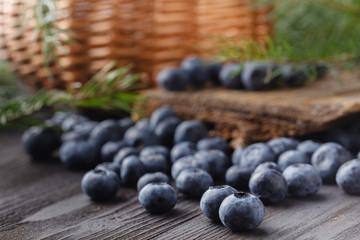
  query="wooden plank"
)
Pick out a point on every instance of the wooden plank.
point(44, 201)
point(284, 112)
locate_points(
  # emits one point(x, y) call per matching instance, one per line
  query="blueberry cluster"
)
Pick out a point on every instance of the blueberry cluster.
point(252, 76)
point(163, 155)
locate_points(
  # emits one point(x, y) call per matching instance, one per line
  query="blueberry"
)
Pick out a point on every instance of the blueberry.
point(155, 163)
point(212, 198)
point(269, 185)
point(327, 160)
point(267, 166)
point(217, 160)
point(58, 118)
point(86, 126)
point(191, 62)
point(230, 75)
point(282, 144)
point(238, 177)
point(157, 149)
point(258, 76)
point(196, 70)
point(236, 155)
point(140, 137)
point(100, 184)
point(71, 121)
point(74, 136)
point(297, 79)
point(212, 72)
point(110, 166)
point(188, 162)
point(152, 178)
point(291, 157)
point(348, 177)
point(165, 131)
point(110, 149)
point(172, 79)
point(308, 147)
point(241, 211)
point(212, 144)
point(40, 143)
point(106, 131)
point(193, 182)
point(143, 123)
point(191, 131)
point(256, 154)
point(131, 170)
point(160, 115)
point(125, 124)
point(158, 198)
point(79, 155)
point(302, 179)
point(123, 153)
point(181, 150)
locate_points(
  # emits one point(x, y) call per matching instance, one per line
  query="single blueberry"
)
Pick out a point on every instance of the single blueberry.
point(191, 131)
point(75, 136)
point(181, 150)
point(213, 143)
point(328, 158)
point(193, 65)
point(125, 124)
point(193, 182)
point(236, 155)
point(172, 79)
point(348, 177)
point(269, 185)
point(40, 143)
point(212, 72)
point(158, 198)
point(211, 200)
point(131, 170)
point(110, 149)
point(100, 184)
point(140, 137)
point(217, 161)
point(238, 177)
point(157, 149)
point(143, 123)
point(255, 154)
point(58, 118)
point(191, 62)
point(282, 144)
point(165, 131)
point(110, 166)
point(152, 178)
point(188, 162)
point(258, 76)
point(308, 147)
point(291, 157)
point(241, 211)
point(230, 75)
point(302, 179)
point(106, 131)
point(79, 155)
point(155, 163)
point(160, 115)
point(268, 166)
point(123, 153)
point(71, 121)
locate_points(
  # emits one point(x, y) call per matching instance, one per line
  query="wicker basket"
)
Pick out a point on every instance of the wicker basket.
point(149, 34)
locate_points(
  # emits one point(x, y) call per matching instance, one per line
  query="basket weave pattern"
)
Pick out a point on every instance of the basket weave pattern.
point(148, 34)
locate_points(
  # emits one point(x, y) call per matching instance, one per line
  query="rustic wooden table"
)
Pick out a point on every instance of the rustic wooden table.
point(44, 201)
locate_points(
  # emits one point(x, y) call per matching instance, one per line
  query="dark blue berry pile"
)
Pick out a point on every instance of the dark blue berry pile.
point(163, 156)
point(194, 73)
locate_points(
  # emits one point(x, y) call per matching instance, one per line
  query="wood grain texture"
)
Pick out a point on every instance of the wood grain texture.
point(259, 116)
point(44, 201)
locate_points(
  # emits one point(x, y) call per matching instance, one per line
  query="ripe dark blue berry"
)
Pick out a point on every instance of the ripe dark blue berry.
point(282, 144)
point(165, 131)
point(191, 131)
point(188, 162)
point(212, 198)
point(241, 211)
point(151, 150)
point(131, 170)
point(303, 180)
point(100, 184)
point(213, 143)
point(110, 149)
point(110, 166)
point(328, 158)
point(158, 198)
point(230, 75)
point(291, 157)
point(173, 79)
point(137, 137)
point(106, 131)
point(181, 150)
point(268, 185)
point(348, 177)
point(308, 147)
point(236, 155)
point(256, 154)
point(152, 178)
point(155, 163)
point(193, 182)
point(123, 153)
point(258, 76)
point(40, 143)
point(267, 166)
point(160, 115)
point(238, 177)
point(217, 161)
